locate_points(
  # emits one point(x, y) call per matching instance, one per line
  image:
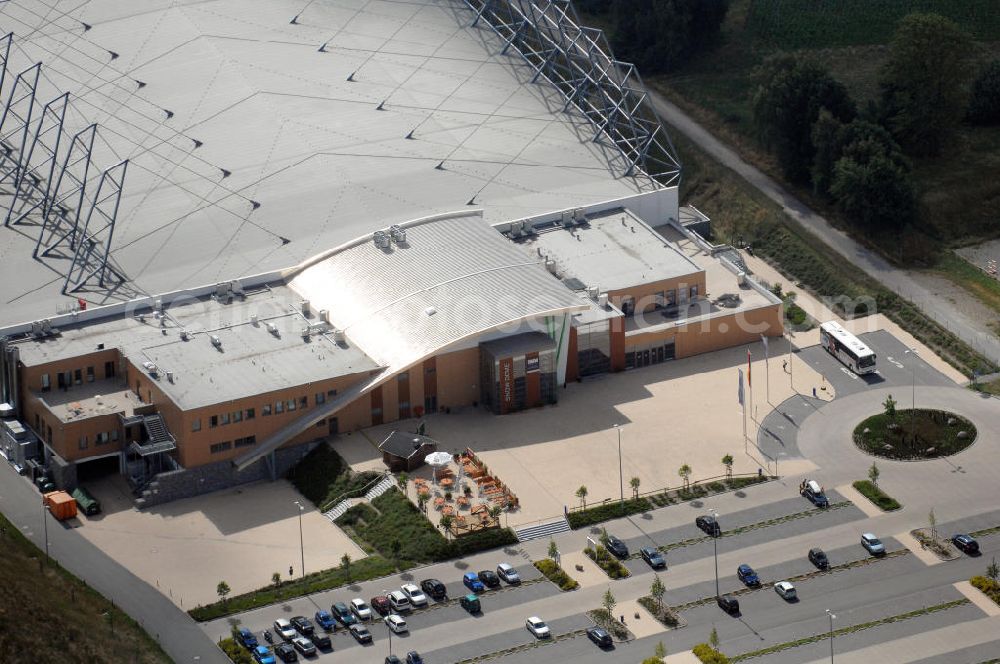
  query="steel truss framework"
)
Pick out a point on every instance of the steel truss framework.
point(578, 62)
point(55, 195)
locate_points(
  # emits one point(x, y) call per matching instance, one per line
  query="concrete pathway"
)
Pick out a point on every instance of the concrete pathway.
point(973, 332)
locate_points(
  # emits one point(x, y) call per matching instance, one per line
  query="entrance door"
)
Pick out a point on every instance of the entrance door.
point(334, 426)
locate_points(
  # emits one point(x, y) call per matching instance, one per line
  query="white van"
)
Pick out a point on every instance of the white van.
point(398, 601)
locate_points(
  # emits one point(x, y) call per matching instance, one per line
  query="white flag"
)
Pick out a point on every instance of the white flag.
point(763, 340)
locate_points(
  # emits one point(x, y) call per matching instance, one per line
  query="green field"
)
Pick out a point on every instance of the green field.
point(48, 615)
point(791, 24)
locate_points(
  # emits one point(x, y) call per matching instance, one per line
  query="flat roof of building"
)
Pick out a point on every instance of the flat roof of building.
point(250, 359)
point(611, 251)
point(255, 143)
point(101, 397)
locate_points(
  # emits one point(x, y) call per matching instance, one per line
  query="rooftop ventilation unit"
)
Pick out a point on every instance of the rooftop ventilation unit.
point(567, 217)
point(272, 328)
point(382, 239)
point(593, 292)
point(306, 332)
point(170, 376)
point(158, 306)
point(397, 233)
point(236, 287)
point(185, 335)
point(578, 216)
point(216, 341)
point(339, 336)
point(550, 265)
point(602, 300)
point(151, 368)
point(324, 315)
point(306, 308)
point(253, 319)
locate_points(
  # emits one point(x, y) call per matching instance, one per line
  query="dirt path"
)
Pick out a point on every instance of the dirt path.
point(952, 309)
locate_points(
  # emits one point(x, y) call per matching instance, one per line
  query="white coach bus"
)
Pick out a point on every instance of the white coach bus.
point(847, 348)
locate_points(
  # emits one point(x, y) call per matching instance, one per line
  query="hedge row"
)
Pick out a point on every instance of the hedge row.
point(709, 655)
point(556, 574)
point(607, 511)
point(880, 498)
point(990, 587)
point(611, 565)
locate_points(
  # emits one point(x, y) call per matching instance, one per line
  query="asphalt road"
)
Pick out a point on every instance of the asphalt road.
point(973, 332)
point(181, 637)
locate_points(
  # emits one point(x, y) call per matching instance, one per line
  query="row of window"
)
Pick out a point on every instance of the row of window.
point(277, 408)
point(660, 299)
point(249, 441)
point(66, 379)
point(102, 438)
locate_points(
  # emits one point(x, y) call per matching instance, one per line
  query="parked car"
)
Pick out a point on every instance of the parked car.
point(470, 603)
point(285, 652)
point(283, 628)
point(616, 547)
point(814, 492)
point(729, 604)
point(44, 484)
point(343, 614)
point(414, 594)
point(873, 544)
point(489, 579)
point(303, 625)
point(321, 641)
point(538, 627)
point(434, 589)
point(380, 603)
point(361, 610)
point(263, 655)
point(246, 638)
point(360, 633)
point(786, 590)
point(708, 524)
point(325, 620)
point(413, 657)
point(653, 557)
point(304, 646)
point(818, 558)
point(392, 659)
point(396, 623)
point(600, 636)
point(472, 582)
point(399, 602)
point(746, 574)
point(966, 543)
point(507, 572)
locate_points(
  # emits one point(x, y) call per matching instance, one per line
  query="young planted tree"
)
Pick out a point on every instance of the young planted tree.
point(634, 483)
point(446, 521)
point(422, 499)
point(276, 579)
point(581, 494)
point(873, 474)
point(932, 522)
point(345, 564)
point(553, 550)
point(727, 461)
point(713, 639)
point(890, 408)
point(657, 590)
point(404, 480)
point(992, 570)
point(685, 474)
point(660, 651)
point(609, 603)
point(222, 590)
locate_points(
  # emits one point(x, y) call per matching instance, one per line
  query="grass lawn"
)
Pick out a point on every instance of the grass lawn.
point(879, 498)
point(324, 477)
point(394, 527)
point(48, 615)
point(923, 435)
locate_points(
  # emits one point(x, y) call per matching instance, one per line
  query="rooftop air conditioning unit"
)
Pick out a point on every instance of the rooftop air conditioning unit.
point(253, 319)
point(382, 239)
point(593, 292)
point(216, 341)
point(324, 315)
point(567, 217)
point(305, 332)
point(158, 305)
point(339, 336)
point(185, 335)
point(170, 376)
point(306, 308)
point(550, 265)
point(516, 228)
point(272, 328)
point(397, 233)
point(578, 216)
point(602, 300)
point(151, 368)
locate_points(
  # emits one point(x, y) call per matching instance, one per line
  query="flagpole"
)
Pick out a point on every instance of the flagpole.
point(767, 369)
point(750, 379)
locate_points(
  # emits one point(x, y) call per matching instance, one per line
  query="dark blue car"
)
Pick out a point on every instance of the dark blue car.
point(747, 575)
point(246, 638)
point(472, 582)
point(325, 620)
point(343, 614)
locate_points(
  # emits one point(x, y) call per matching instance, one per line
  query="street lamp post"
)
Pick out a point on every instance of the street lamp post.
point(302, 546)
point(621, 475)
point(45, 527)
point(715, 549)
point(832, 616)
point(913, 392)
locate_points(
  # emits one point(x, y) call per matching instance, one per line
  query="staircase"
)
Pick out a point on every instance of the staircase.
point(338, 510)
point(156, 429)
point(542, 530)
point(380, 488)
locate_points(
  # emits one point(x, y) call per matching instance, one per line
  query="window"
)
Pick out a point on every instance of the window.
point(671, 298)
point(225, 418)
point(250, 413)
point(109, 369)
point(196, 425)
point(694, 292)
point(266, 410)
point(83, 442)
point(290, 405)
point(220, 447)
point(238, 416)
point(320, 424)
point(77, 377)
point(114, 435)
point(90, 374)
point(48, 431)
point(303, 402)
point(249, 441)
point(331, 393)
point(376, 412)
point(404, 375)
point(279, 407)
point(103, 438)
point(320, 398)
point(213, 421)
point(660, 298)
point(46, 385)
point(61, 381)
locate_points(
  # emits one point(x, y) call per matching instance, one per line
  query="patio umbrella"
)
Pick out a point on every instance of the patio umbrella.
point(437, 460)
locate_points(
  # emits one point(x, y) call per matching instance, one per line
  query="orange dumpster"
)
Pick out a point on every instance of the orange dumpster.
point(61, 504)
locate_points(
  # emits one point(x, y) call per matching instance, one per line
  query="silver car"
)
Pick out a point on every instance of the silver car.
point(872, 544)
point(283, 627)
point(507, 572)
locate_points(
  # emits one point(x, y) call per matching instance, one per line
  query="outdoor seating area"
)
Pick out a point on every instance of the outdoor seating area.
point(489, 487)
